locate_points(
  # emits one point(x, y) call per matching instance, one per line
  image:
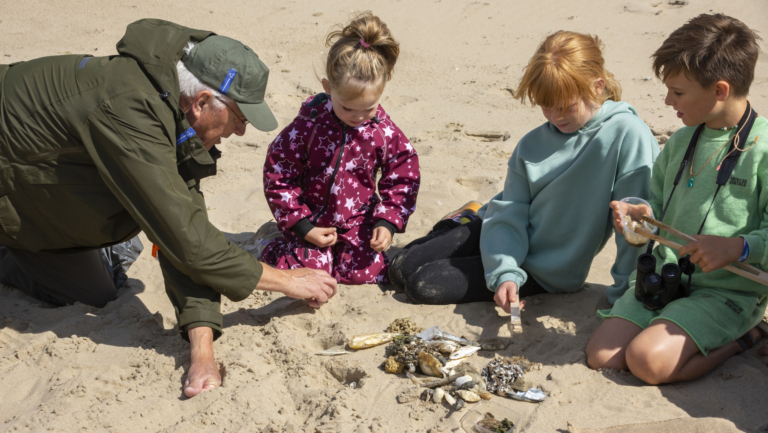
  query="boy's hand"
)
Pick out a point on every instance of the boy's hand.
point(506, 293)
point(381, 239)
point(713, 252)
point(322, 236)
point(636, 211)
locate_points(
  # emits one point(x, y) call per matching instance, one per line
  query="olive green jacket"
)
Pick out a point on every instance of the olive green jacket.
point(93, 150)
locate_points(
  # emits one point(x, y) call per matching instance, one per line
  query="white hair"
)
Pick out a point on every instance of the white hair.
point(190, 85)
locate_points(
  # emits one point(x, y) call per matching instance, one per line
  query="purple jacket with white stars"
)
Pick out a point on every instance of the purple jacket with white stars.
point(321, 172)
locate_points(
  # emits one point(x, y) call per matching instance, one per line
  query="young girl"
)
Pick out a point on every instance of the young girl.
point(319, 176)
point(551, 220)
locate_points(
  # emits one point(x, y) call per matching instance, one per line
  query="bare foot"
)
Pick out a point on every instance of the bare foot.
point(203, 374)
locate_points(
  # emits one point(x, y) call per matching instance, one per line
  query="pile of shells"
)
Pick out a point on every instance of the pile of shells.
point(464, 385)
point(405, 353)
point(502, 375)
point(404, 326)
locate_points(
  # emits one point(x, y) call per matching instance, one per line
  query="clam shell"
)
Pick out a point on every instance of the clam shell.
point(370, 340)
point(464, 352)
point(462, 380)
point(430, 365)
point(468, 396)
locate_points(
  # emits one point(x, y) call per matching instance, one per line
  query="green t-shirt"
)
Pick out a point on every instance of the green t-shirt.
point(740, 209)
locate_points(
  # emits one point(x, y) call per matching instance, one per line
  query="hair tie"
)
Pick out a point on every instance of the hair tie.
point(362, 42)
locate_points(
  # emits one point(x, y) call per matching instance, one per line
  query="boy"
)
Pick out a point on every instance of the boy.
point(707, 65)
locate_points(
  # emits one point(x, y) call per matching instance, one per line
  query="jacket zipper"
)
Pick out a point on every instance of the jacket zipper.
point(333, 179)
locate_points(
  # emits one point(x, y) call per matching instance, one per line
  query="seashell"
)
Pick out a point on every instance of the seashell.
point(430, 365)
point(533, 395)
point(464, 352)
point(462, 380)
point(370, 340)
point(392, 366)
point(468, 396)
point(438, 395)
point(449, 398)
point(444, 347)
point(485, 395)
point(494, 344)
point(435, 333)
point(469, 386)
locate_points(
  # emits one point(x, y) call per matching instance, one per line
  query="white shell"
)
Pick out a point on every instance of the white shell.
point(468, 396)
point(438, 395)
point(464, 352)
point(449, 398)
point(462, 380)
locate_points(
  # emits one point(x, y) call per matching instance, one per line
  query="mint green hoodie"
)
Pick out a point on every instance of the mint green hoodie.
point(553, 218)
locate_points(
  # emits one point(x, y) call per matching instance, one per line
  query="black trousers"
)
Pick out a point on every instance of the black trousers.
point(445, 267)
point(90, 277)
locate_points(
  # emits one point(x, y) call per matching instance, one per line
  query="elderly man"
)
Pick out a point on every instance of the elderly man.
point(95, 149)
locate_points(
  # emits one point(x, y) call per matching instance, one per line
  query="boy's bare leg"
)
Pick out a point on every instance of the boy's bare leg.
point(664, 353)
point(608, 345)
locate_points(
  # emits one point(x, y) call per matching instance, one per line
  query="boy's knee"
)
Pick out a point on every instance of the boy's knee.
point(646, 364)
point(598, 358)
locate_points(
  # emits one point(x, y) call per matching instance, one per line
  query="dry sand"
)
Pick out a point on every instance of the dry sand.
point(120, 368)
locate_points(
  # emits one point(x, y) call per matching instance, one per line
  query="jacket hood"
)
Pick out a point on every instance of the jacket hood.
point(319, 109)
point(603, 114)
point(157, 46)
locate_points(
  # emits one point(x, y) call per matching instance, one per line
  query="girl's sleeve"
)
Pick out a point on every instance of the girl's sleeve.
point(399, 182)
point(283, 173)
point(639, 150)
point(504, 236)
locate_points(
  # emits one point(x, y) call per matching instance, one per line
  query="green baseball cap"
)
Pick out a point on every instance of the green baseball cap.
point(236, 71)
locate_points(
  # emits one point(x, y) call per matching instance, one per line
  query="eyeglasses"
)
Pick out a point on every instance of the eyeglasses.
point(240, 119)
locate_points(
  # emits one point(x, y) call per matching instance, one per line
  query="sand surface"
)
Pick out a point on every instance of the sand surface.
point(120, 368)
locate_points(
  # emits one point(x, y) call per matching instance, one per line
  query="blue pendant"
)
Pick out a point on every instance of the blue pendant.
point(690, 183)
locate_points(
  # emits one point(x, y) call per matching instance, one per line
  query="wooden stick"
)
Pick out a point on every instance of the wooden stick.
point(751, 272)
point(751, 269)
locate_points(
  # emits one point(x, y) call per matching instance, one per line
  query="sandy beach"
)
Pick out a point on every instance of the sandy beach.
point(121, 368)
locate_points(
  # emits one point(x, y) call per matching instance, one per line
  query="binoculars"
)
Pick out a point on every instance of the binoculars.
point(654, 290)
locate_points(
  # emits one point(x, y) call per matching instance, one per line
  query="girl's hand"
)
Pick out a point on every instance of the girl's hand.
point(506, 293)
point(713, 252)
point(381, 239)
point(322, 236)
point(636, 211)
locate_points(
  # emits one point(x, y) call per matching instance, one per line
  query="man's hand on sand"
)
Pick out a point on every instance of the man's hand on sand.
point(203, 374)
point(311, 284)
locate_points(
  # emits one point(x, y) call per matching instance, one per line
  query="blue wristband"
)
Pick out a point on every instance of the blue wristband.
point(745, 251)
